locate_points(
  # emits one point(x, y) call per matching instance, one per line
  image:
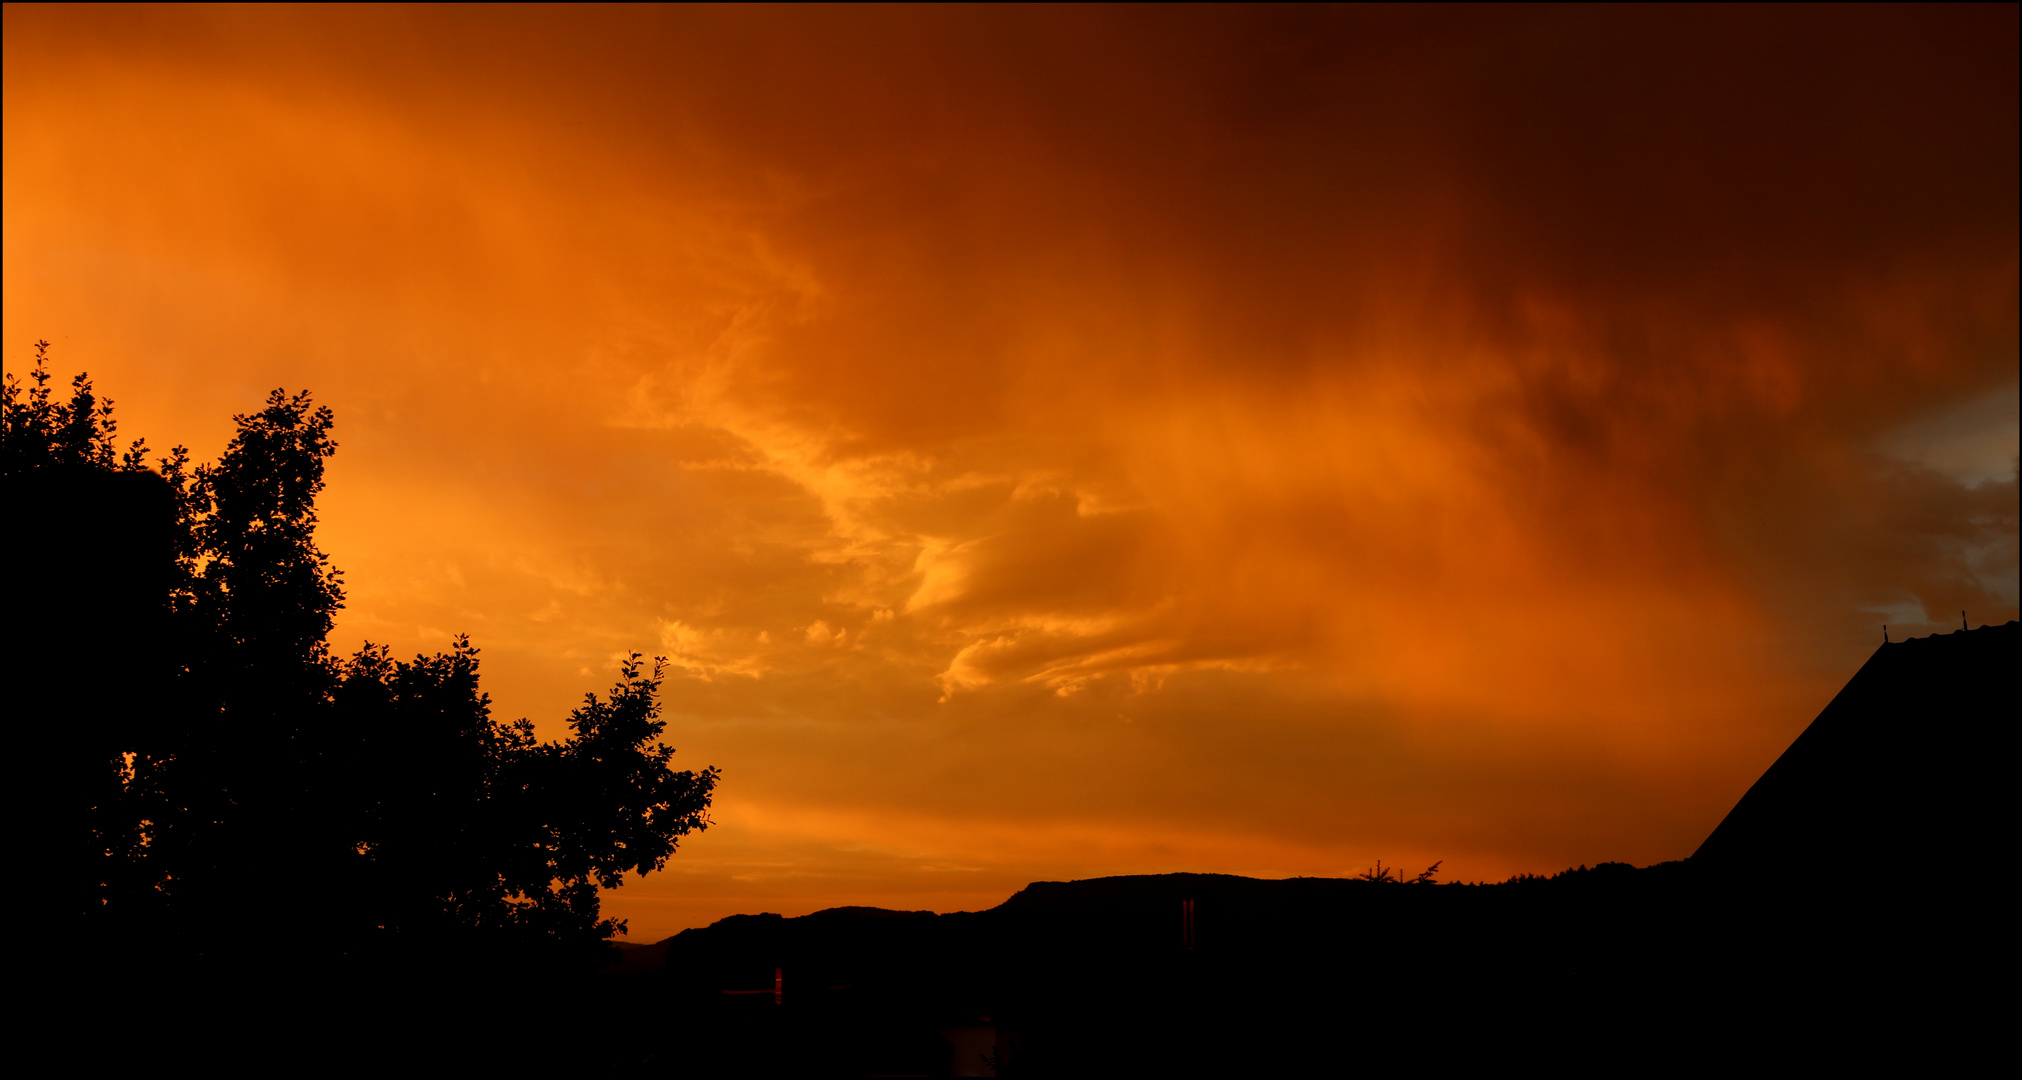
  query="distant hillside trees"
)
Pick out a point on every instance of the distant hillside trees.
point(214, 777)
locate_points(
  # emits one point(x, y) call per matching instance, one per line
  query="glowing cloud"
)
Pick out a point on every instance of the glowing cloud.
point(1072, 441)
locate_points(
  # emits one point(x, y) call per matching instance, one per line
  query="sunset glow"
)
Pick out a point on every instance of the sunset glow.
point(1064, 442)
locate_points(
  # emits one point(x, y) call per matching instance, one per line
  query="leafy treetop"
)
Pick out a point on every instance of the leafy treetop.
point(379, 796)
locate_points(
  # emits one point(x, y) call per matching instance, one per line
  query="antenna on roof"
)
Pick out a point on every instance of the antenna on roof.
point(1962, 620)
point(1885, 633)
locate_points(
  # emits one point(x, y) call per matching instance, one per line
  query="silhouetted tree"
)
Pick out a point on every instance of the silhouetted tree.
point(240, 772)
point(472, 833)
point(89, 563)
point(40, 431)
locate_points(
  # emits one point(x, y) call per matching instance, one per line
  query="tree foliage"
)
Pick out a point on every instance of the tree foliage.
point(40, 430)
point(240, 776)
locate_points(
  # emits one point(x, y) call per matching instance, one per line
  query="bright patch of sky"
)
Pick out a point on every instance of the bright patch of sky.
point(1973, 442)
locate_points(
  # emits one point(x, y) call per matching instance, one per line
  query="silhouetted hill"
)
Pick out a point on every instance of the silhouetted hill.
point(1785, 941)
point(1160, 973)
point(1793, 928)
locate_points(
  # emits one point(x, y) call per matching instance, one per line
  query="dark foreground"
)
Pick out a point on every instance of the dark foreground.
point(1846, 913)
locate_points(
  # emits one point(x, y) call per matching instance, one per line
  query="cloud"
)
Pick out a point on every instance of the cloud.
point(1971, 442)
point(1064, 441)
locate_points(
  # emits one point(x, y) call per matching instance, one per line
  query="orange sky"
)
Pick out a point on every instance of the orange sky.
point(1062, 442)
